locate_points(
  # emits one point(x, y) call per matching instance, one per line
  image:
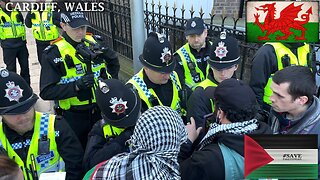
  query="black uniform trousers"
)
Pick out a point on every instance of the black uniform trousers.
point(11, 54)
point(81, 122)
point(40, 47)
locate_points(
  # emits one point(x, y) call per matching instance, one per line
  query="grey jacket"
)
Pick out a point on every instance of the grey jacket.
point(308, 123)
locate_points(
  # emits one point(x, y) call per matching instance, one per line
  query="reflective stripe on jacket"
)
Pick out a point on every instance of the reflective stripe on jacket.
point(146, 94)
point(43, 28)
point(75, 73)
point(51, 162)
point(11, 28)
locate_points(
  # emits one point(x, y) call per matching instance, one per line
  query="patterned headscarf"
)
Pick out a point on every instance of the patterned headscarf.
point(155, 146)
point(238, 128)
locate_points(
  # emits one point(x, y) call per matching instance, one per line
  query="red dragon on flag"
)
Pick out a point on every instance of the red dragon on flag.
point(284, 23)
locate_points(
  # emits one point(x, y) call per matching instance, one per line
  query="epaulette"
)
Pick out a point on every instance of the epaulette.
point(48, 48)
point(89, 33)
point(56, 40)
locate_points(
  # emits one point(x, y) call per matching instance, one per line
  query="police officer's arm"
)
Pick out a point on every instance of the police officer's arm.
point(28, 19)
point(112, 61)
point(99, 148)
point(179, 69)
point(52, 69)
point(20, 17)
point(198, 105)
point(69, 148)
point(56, 18)
point(264, 64)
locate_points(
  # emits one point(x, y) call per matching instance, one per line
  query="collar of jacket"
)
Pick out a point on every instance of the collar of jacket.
point(151, 84)
point(203, 51)
point(69, 40)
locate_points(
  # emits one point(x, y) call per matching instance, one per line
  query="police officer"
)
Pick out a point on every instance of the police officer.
point(120, 108)
point(224, 60)
point(69, 73)
point(272, 57)
point(192, 57)
point(37, 142)
point(157, 83)
point(13, 39)
point(44, 26)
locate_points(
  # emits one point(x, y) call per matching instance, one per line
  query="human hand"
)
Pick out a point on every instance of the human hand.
point(85, 82)
point(193, 133)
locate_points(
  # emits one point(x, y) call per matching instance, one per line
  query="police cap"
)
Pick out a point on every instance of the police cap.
point(120, 106)
point(16, 96)
point(157, 53)
point(224, 52)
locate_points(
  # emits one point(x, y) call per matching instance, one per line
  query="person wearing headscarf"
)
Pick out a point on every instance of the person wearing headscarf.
point(155, 145)
point(220, 154)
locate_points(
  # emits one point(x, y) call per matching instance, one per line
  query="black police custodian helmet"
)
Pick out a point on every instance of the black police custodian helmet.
point(157, 53)
point(224, 52)
point(16, 96)
point(120, 106)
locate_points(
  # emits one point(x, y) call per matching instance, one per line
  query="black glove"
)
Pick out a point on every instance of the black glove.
point(87, 81)
point(19, 17)
point(31, 15)
point(124, 136)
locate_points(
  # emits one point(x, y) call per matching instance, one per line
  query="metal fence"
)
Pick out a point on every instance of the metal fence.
point(114, 25)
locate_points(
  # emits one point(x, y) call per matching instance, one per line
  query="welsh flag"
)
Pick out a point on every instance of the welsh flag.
point(281, 156)
point(284, 21)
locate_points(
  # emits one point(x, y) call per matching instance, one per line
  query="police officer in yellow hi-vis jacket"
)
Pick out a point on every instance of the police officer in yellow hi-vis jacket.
point(272, 57)
point(192, 57)
point(13, 39)
point(120, 107)
point(157, 83)
point(44, 26)
point(69, 72)
point(37, 142)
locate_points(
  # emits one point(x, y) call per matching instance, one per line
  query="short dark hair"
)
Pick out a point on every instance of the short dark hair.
point(301, 81)
point(234, 115)
point(8, 168)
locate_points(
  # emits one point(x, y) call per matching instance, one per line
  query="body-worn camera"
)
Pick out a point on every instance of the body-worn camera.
point(85, 53)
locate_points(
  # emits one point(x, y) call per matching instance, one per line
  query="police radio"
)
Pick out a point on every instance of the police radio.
point(285, 59)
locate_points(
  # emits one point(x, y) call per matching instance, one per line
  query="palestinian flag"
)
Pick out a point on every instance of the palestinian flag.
point(283, 21)
point(281, 156)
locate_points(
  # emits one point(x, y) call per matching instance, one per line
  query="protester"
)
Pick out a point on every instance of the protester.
point(155, 145)
point(220, 154)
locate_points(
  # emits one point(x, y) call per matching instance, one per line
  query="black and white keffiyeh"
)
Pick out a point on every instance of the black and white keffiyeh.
point(238, 128)
point(156, 141)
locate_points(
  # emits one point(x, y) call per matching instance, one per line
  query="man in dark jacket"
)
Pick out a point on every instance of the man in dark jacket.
point(295, 109)
point(37, 142)
point(120, 108)
point(270, 58)
point(223, 62)
point(236, 107)
point(13, 39)
point(65, 76)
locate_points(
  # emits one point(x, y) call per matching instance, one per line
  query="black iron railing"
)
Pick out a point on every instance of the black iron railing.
point(114, 25)
point(157, 18)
